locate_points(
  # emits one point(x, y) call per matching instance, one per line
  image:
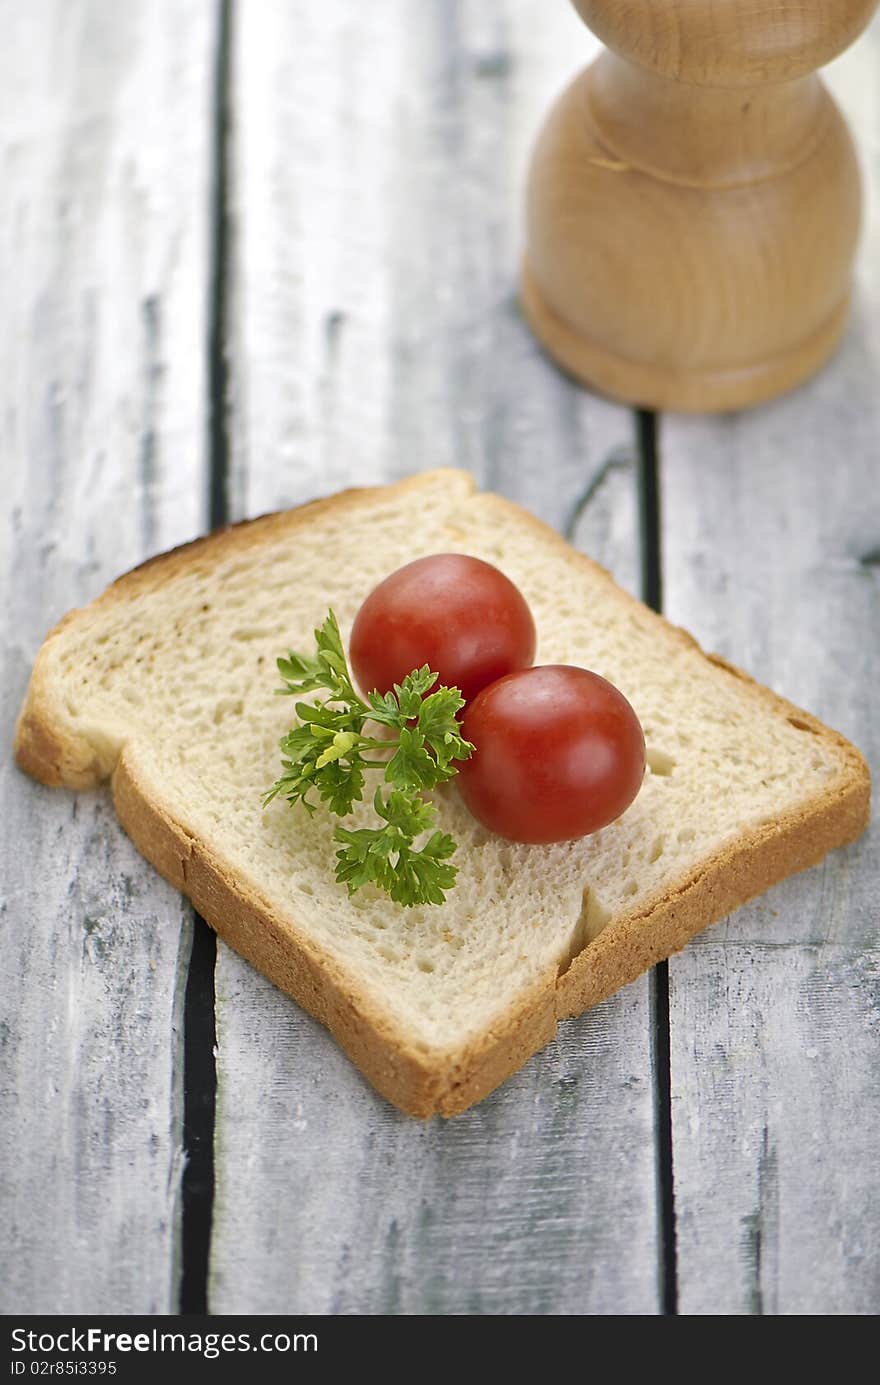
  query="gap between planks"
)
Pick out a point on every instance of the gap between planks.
point(199, 1020)
point(648, 455)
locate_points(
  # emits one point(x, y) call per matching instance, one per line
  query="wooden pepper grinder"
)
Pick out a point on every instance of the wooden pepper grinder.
point(693, 202)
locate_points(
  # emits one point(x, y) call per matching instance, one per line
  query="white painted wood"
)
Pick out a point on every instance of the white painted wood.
point(104, 152)
point(771, 536)
point(537, 1201)
point(378, 167)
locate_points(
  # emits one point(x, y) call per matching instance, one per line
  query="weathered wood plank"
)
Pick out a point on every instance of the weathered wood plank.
point(378, 174)
point(104, 151)
point(770, 539)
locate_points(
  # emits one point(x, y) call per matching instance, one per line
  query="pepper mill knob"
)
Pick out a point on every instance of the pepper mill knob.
point(693, 202)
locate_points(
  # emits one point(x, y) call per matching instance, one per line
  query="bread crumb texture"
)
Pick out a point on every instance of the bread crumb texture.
point(176, 664)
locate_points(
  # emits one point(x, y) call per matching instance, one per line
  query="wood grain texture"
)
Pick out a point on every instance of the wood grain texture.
point(537, 1201)
point(709, 42)
point(692, 210)
point(104, 156)
point(771, 536)
point(377, 170)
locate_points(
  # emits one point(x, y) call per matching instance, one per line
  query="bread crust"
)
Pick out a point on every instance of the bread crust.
point(419, 1083)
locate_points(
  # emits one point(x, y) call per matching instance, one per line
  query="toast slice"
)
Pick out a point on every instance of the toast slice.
point(165, 685)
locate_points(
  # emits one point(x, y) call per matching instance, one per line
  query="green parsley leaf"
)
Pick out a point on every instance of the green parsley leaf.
point(327, 668)
point(341, 786)
point(411, 765)
point(328, 751)
point(384, 856)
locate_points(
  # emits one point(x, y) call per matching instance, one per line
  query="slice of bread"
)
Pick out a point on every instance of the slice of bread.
point(166, 685)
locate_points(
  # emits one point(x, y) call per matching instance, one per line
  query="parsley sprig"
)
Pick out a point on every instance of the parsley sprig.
point(325, 757)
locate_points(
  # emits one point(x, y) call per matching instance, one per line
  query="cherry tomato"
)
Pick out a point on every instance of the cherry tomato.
point(458, 614)
point(559, 752)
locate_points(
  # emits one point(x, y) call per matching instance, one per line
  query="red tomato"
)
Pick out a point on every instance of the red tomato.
point(559, 752)
point(459, 615)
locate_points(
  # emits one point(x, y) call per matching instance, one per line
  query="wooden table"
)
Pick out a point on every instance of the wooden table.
point(254, 253)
